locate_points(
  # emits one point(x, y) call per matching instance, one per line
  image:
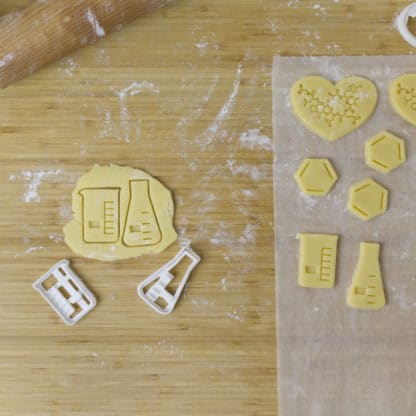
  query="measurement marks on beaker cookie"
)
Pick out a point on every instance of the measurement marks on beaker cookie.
point(105, 213)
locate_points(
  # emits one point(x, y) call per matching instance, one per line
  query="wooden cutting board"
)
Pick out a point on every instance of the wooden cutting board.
point(199, 119)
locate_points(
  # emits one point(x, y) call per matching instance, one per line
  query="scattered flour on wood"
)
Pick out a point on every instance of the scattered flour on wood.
point(224, 284)
point(249, 234)
point(34, 180)
point(125, 117)
point(253, 139)
point(273, 25)
point(233, 315)
point(237, 314)
point(65, 212)
point(255, 172)
point(197, 110)
point(202, 46)
point(69, 66)
point(211, 132)
point(56, 237)
point(234, 245)
point(29, 250)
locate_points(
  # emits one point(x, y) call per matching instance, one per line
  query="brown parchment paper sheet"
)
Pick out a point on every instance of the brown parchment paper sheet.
point(333, 360)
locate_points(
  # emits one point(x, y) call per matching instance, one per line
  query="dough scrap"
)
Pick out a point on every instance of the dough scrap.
point(403, 97)
point(333, 111)
point(119, 213)
point(366, 291)
point(316, 177)
point(317, 260)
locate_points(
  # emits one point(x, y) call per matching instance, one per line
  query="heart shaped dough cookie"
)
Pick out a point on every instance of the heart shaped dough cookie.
point(403, 97)
point(332, 111)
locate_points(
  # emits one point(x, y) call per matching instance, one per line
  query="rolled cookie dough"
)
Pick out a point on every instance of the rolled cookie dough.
point(333, 111)
point(119, 213)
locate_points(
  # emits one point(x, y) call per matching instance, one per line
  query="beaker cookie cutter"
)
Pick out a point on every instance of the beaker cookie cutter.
point(162, 278)
point(402, 22)
point(65, 292)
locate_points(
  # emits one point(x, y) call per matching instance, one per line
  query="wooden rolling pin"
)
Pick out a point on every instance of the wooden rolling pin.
point(47, 30)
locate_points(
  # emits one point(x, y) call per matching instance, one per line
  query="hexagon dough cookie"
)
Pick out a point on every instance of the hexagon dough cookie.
point(316, 177)
point(385, 152)
point(120, 213)
point(333, 111)
point(367, 199)
point(403, 97)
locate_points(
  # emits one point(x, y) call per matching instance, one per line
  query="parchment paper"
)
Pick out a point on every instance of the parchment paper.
point(333, 360)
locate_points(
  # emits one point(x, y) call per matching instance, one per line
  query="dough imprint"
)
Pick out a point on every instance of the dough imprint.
point(119, 213)
point(333, 111)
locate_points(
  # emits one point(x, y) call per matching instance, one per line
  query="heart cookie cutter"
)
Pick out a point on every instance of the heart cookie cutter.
point(402, 22)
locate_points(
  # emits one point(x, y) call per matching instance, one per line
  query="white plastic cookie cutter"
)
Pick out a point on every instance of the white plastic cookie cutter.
point(402, 22)
point(65, 292)
point(154, 290)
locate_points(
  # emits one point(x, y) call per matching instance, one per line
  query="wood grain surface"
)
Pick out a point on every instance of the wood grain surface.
point(199, 119)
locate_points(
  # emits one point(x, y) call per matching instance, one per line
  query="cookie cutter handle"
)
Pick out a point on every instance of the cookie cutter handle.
point(402, 22)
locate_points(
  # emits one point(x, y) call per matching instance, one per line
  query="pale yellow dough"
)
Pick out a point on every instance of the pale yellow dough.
point(403, 97)
point(368, 199)
point(316, 177)
point(366, 291)
point(333, 111)
point(385, 152)
point(317, 260)
point(120, 213)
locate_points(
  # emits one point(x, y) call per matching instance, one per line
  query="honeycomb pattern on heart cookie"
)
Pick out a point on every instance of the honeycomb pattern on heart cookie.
point(346, 103)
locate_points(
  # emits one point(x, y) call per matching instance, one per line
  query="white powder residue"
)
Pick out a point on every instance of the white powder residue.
point(201, 301)
point(69, 65)
point(210, 133)
point(92, 18)
point(234, 315)
point(30, 250)
point(125, 117)
point(233, 244)
point(6, 60)
point(102, 56)
point(107, 125)
point(205, 200)
point(34, 180)
point(224, 284)
point(256, 173)
point(273, 25)
point(202, 47)
point(147, 348)
point(65, 212)
point(248, 193)
point(310, 201)
point(253, 139)
point(138, 88)
point(56, 237)
point(197, 109)
point(320, 10)
point(249, 234)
